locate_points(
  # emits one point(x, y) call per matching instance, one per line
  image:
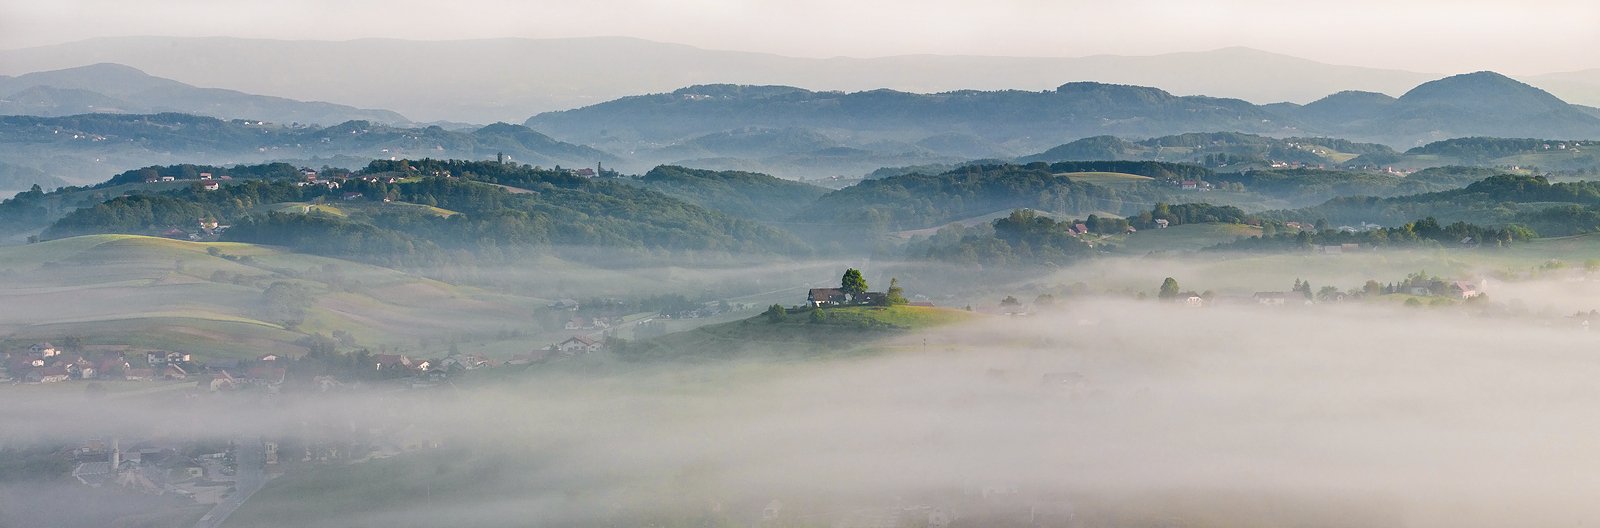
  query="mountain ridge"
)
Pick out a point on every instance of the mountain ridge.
point(118, 88)
point(1475, 104)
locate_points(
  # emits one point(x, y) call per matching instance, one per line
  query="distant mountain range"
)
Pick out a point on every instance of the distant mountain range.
point(775, 122)
point(114, 88)
point(785, 131)
point(492, 80)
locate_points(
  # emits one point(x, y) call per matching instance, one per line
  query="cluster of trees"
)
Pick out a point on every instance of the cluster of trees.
point(186, 171)
point(25, 210)
point(1024, 237)
point(1309, 186)
point(328, 235)
point(1424, 231)
point(737, 193)
point(150, 213)
point(1554, 209)
point(1159, 170)
point(1488, 148)
point(1190, 213)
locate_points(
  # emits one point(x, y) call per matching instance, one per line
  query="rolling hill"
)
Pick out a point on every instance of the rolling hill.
point(1218, 150)
point(738, 194)
point(803, 333)
point(154, 293)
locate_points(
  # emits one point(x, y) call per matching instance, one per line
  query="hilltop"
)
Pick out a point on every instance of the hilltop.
point(800, 332)
point(1474, 104)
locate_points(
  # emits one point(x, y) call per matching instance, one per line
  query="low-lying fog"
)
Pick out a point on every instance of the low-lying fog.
point(1101, 412)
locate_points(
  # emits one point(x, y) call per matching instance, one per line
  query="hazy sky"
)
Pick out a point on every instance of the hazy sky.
point(1421, 35)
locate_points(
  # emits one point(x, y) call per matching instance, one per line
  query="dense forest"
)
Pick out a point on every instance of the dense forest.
point(1552, 209)
point(1425, 231)
point(739, 194)
point(1022, 238)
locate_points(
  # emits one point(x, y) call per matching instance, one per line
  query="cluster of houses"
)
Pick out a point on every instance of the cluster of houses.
point(401, 365)
point(46, 363)
point(1460, 290)
point(824, 297)
point(573, 347)
point(310, 177)
point(266, 371)
point(599, 322)
point(206, 229)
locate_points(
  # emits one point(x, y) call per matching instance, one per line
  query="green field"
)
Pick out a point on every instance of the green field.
point(155, 293)
point(346, 208)
point(1188, 237)
point(1107, 179)
point(305, 208)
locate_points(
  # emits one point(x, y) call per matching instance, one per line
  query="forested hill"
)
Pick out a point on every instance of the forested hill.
point(737, 193)
point(1216, 150)
point(418, 212)
point(1550, 209)
point(916, 201)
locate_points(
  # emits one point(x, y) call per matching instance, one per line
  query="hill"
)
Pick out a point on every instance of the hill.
point(114, 88)
point(798, 333)
point(1544, 154)
point(1216, 150)
point(919, 201)
point(1549, 209)
point(452, 210)
point(1108, 179)
point(210, 299)
point(738, 194)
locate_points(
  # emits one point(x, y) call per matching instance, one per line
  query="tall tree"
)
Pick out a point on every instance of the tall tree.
point(852, 283)
point(895, 294)
point(1169, 289)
